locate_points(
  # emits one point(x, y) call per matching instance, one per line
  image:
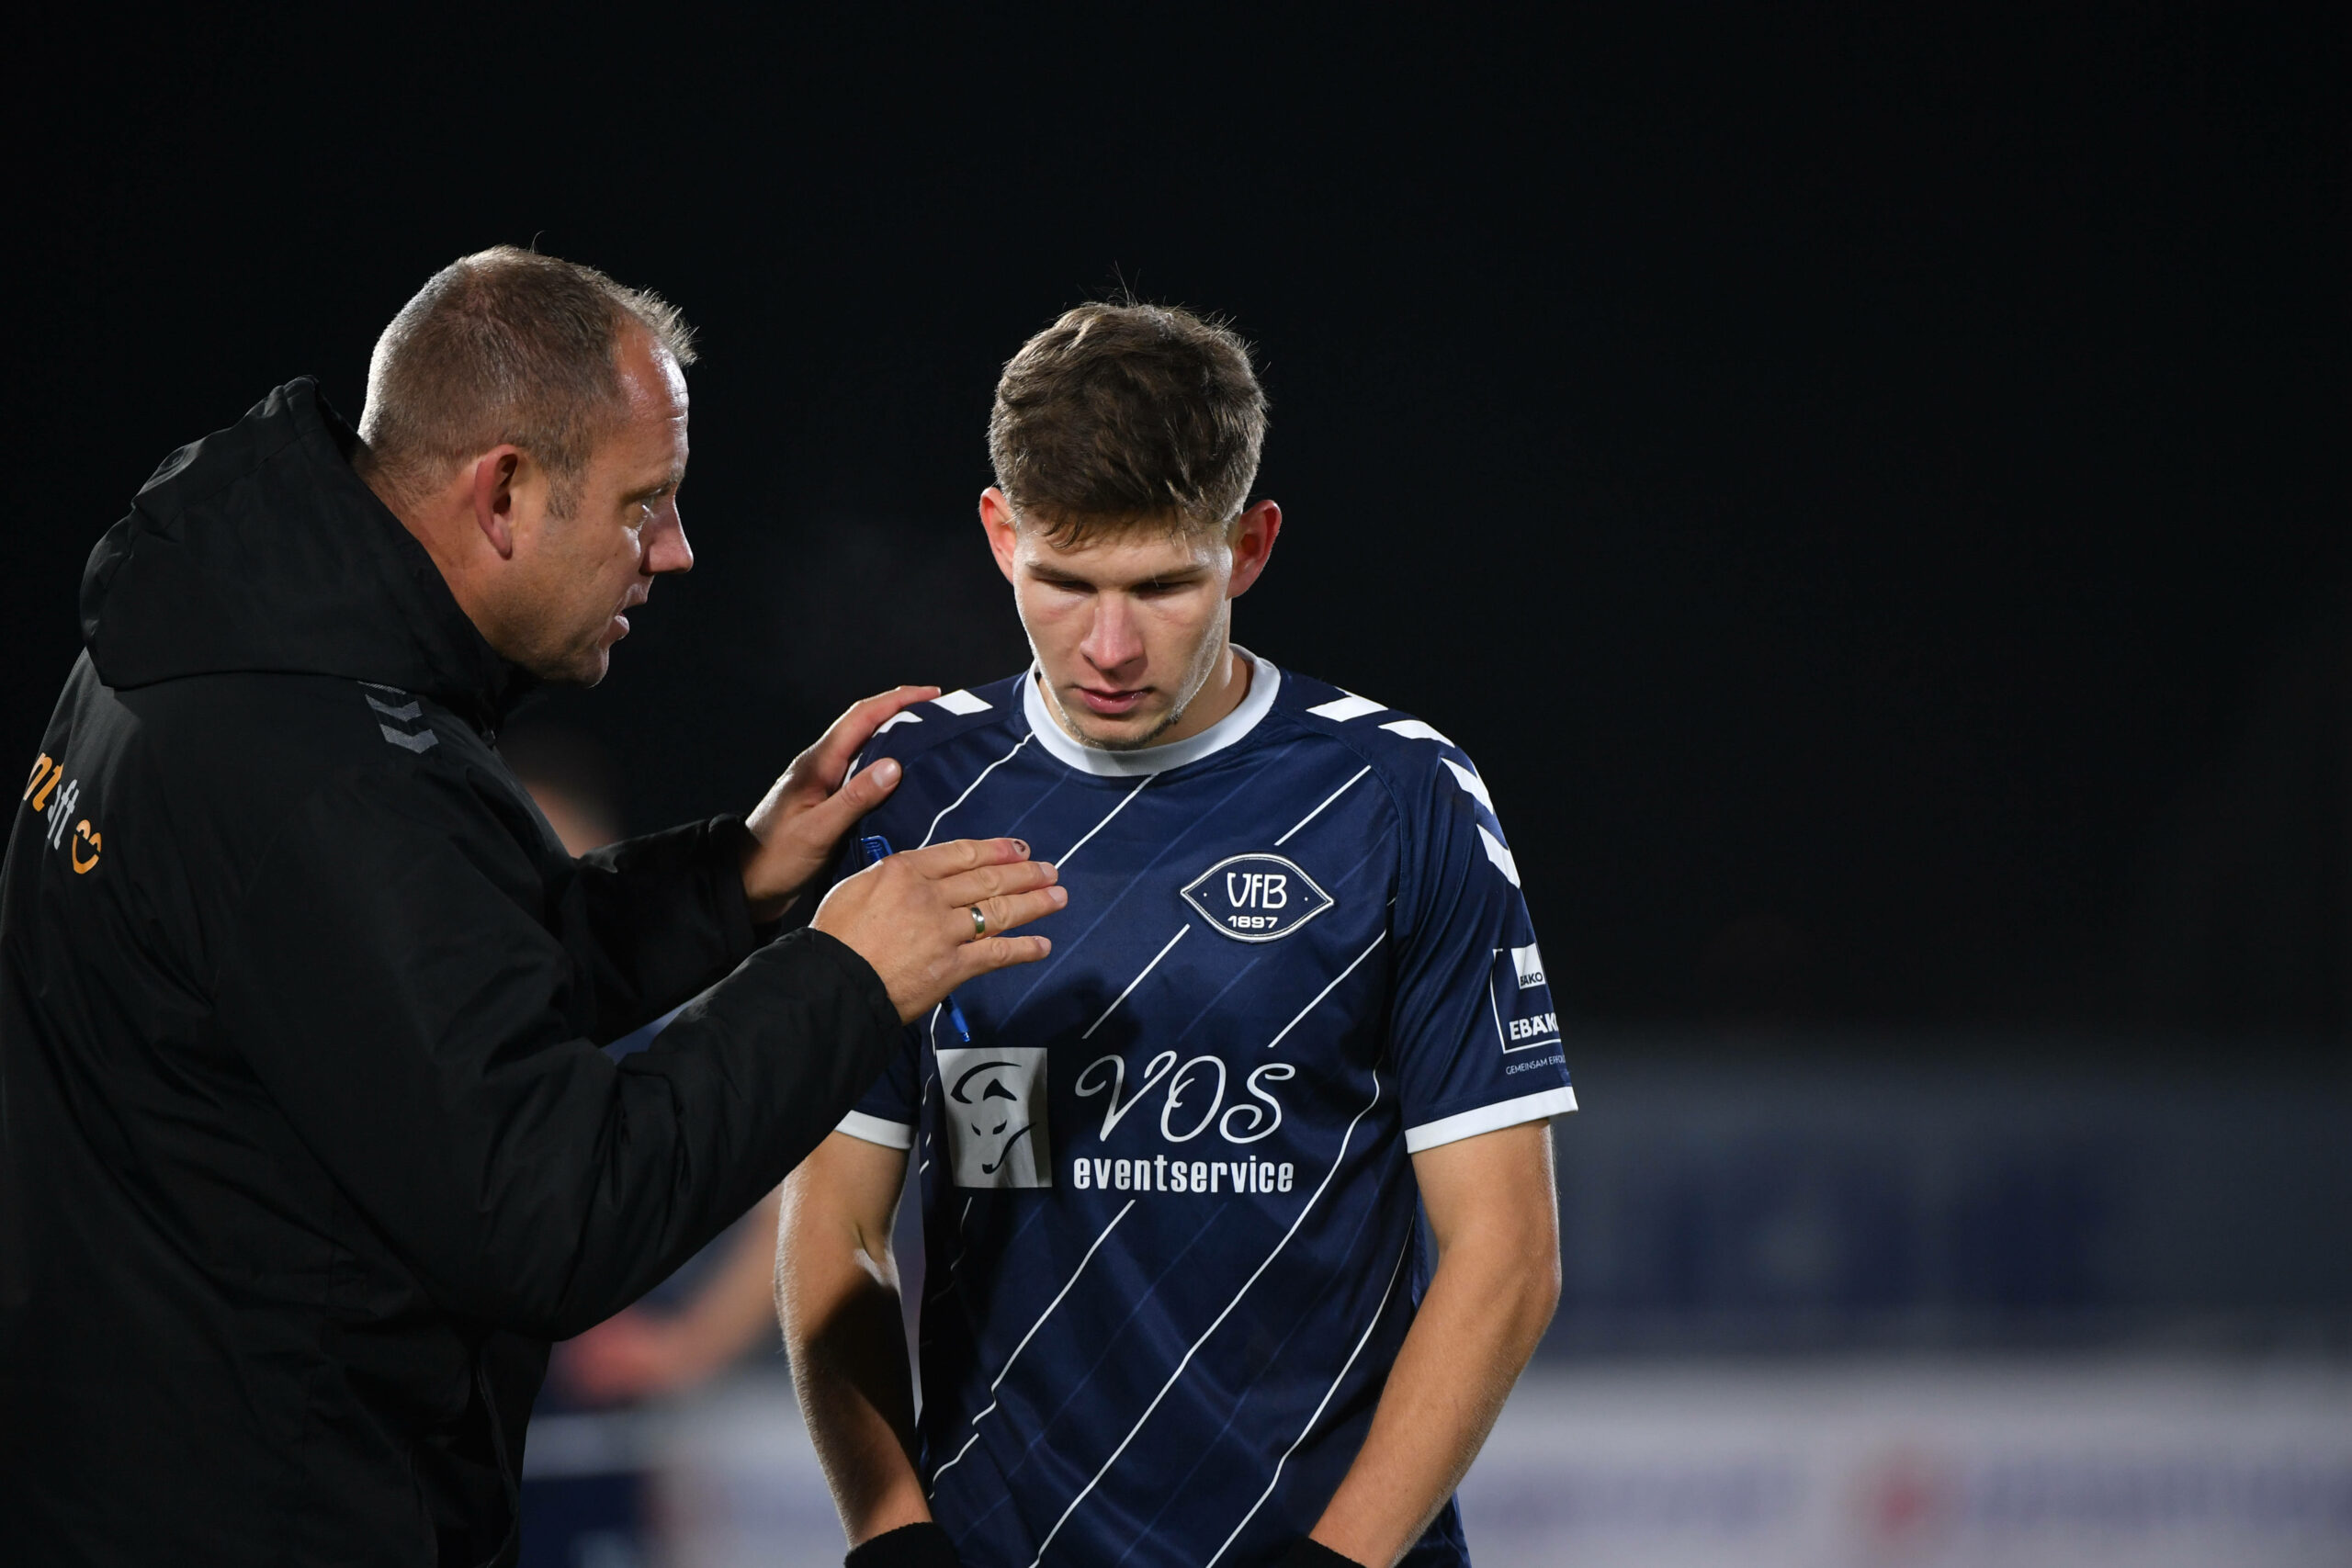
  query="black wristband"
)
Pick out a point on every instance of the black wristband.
point(1312, 1553)
point(909, 1546)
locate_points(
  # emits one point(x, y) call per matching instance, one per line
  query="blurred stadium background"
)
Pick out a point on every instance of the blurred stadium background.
point(1985, 1306)
point(1868, 487)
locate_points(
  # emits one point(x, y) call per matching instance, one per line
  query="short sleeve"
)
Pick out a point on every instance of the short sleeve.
point(1476, 1036)
point(888, 1112)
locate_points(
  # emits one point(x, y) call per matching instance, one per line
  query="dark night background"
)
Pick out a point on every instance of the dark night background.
point(1866, 483)
point(1868, 489)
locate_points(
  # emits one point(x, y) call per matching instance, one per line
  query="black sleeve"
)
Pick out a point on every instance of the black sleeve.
point(667, 916)
point(387, 980)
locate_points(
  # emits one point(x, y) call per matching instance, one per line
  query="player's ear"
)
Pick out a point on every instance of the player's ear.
point(996, 517)
point(1254, 533)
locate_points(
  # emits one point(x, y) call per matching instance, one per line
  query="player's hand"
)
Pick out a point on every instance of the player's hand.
point(807, 811)
point(910, 916)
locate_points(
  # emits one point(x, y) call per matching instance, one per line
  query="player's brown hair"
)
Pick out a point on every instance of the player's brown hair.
point(506, 346)
point(1124, 414)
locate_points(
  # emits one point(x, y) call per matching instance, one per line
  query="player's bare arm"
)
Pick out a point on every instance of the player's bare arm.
point(837, 1297)
point(1496, 1217)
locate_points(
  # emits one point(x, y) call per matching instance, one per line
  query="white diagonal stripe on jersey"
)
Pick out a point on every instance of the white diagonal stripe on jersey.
point(1341, 709)
point(961, 701)
point(922, 1095)
point(973, 785)
point(1065, 946)
point(1137, 981)
point(1414, 730)
point(1105, 822)
point(1472, 784)
point(1362, 1341)
point(949, 1283)
point(1006, 1369)
point(1326, 800)
point(1498, 852)
point(1337, 1160)
point(1327, 990)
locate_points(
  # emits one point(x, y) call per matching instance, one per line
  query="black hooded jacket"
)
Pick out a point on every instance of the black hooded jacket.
point(307, 1150)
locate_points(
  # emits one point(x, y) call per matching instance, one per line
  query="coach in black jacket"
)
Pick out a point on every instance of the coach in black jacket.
point(309, 1149)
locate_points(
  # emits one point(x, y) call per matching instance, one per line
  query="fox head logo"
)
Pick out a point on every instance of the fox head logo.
point(995, 1113)
point(990, 1109)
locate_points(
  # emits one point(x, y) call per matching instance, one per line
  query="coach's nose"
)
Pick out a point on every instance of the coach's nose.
point(666, 549)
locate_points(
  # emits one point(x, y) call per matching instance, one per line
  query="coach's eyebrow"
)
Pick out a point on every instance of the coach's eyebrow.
point(648, 493)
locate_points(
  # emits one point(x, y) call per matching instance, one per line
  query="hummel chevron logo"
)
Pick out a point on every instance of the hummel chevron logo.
point(402, 723)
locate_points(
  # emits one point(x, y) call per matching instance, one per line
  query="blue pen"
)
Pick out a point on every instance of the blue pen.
point(877, 849)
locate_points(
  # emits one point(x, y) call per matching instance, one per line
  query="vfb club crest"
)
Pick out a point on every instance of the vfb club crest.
point(1255, 897)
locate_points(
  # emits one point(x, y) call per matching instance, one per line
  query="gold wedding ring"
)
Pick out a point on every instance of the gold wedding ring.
point(979, 923)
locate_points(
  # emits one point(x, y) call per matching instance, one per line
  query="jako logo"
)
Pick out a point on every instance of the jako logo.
point(1519, 998)
point(1255, 897)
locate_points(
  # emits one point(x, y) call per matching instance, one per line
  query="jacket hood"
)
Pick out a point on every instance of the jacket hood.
point(258, 548)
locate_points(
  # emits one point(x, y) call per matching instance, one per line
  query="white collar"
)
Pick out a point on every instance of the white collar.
point(1264, 680)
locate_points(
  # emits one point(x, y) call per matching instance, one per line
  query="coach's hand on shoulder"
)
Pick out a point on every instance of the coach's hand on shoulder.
point(912, 916)
point(807, 811)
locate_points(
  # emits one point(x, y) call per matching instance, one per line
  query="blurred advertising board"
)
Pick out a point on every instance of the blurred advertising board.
point(1994, 1464)
point(1960, 1466)
point(1942, 1193)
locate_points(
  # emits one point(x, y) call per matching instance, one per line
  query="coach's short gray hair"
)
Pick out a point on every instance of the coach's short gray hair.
point(506, 346)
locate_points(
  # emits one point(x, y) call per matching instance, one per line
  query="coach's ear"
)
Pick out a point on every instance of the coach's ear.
point(996, 516)
point(1254, 533)
point(497, 493)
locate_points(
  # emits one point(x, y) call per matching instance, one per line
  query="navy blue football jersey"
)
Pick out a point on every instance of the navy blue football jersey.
point(1168, 1216)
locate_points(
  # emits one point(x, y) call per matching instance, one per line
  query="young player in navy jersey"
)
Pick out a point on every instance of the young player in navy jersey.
point(1177, 1309)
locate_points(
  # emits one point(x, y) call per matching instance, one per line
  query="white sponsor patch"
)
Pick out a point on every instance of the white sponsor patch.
point(1520, 1000)
point(962, 703)
point(993, 1103)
